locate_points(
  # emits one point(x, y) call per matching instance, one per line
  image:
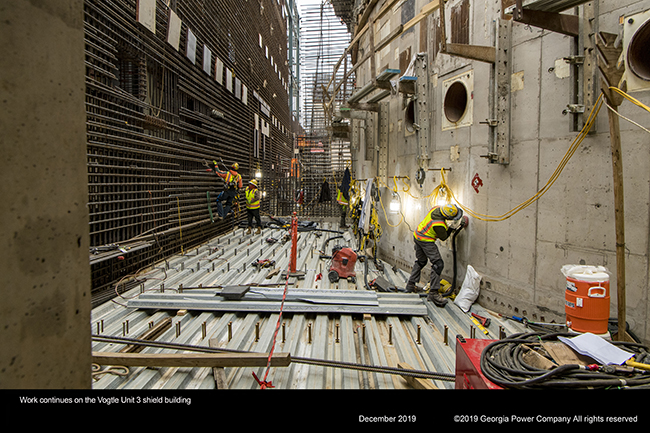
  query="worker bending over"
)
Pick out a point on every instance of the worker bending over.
point(233, 183)
point(433, 226)
point(253, 207)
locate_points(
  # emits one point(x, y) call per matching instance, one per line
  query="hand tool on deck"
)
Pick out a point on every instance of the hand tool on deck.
point(527, 322)
point(485, 321)
point(478, 324)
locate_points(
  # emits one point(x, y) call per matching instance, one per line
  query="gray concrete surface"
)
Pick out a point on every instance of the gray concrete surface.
point(45, 278)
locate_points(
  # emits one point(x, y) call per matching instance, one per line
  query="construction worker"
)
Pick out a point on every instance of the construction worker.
point(433, 226)
point(253, 207)
point(233, 183)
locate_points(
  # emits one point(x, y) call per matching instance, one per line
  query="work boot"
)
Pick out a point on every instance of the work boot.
point(248, 231)
point(437, 299)
point(411, 288)
point(258, 231)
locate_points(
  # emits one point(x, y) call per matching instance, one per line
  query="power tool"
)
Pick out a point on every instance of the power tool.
point(342, 265)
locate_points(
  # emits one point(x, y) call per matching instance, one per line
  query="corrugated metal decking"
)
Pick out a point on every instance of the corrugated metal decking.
point(333, 350)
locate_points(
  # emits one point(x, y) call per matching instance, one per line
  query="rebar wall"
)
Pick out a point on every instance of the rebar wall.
point(170, 85)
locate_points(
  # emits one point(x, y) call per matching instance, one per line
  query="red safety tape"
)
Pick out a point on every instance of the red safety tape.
point(263, 384)
point(267, 384)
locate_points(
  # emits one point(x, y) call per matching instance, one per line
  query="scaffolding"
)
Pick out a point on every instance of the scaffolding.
point(323, 151)
point(325, 37)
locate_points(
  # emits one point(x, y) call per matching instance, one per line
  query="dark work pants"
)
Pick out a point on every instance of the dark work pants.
point(254, 213)
point(426, 251)
point(226, 196)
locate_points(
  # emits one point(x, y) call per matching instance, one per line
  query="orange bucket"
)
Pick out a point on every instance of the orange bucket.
point(587, 298)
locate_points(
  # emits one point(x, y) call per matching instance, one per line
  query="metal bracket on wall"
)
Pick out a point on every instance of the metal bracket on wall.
point(499, 123)
point(354, 141)
point(422, 112)
point(587, 71)
point(382, 163)
point(547, 15)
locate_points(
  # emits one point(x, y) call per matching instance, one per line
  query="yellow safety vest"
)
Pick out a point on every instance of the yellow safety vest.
point(251, 201)
point(232, 180)
point(425, 231)
point(340, 198)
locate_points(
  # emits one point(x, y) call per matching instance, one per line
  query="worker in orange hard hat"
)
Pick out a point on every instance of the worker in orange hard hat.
point(433, 227)
point(253, 207)
point(233, 183)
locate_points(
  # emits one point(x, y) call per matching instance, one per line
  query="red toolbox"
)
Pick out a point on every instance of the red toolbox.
point(468, 364)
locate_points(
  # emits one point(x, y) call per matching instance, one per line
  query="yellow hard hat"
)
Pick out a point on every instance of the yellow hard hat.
point(253, 182)
point(451, 211)
point(235, 166)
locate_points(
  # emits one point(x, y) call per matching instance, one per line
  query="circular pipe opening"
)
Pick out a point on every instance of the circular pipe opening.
point(637, 52)
point(455, 103)
point(409, 116)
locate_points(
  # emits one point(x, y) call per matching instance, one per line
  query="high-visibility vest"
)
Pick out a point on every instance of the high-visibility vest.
point(426, 231)
point(340, 198)
point(232, 179)
point(251, 201)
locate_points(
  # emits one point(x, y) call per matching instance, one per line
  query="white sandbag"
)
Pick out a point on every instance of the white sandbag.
point(469, 290)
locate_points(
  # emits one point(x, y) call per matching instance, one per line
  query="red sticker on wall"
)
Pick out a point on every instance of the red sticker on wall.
point(476, 182)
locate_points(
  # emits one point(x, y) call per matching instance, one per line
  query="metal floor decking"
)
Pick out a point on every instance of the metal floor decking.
point(407, 330)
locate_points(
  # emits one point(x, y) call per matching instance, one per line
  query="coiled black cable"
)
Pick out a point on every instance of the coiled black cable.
point(502, 363)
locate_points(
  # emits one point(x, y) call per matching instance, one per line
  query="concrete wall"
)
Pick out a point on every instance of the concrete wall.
point(45, 278)
point(573, 223)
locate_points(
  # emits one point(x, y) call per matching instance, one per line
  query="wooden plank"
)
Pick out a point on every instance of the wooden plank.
point(416, 382)
point(426, 10)
point(611, 75)
point(532, 357)
point(218, 372)
point(191, 359)
point(563, 354)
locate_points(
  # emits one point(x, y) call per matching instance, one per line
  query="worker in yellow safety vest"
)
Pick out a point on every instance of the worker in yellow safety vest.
point(434, 226)
point(253, 207)
point(233, 182)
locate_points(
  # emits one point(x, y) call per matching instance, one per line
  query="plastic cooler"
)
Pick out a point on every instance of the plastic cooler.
point(587, 298)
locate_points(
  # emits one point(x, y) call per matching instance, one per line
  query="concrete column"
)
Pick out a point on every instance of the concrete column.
point(45, 274)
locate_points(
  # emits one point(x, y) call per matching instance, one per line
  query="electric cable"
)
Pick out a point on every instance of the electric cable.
point(502, 362)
